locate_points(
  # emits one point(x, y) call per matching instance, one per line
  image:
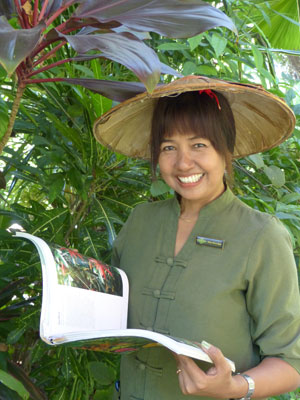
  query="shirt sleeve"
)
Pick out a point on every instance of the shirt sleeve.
point(273, 295)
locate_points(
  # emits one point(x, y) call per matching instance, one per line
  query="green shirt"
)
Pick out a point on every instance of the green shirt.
point(243, 298)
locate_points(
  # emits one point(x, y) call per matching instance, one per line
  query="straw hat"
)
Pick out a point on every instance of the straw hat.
point(262, 120)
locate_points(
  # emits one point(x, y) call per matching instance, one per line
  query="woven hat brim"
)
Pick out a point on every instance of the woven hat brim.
point(262, 119)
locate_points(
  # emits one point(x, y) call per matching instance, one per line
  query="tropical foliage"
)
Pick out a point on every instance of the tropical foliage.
point(58, 183)
point(49, 32)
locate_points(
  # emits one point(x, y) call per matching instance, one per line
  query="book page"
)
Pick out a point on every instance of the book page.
point(129, 340)
point(84, 310)
point(92, 295)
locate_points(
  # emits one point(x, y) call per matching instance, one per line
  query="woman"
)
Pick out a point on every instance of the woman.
point(204, 265)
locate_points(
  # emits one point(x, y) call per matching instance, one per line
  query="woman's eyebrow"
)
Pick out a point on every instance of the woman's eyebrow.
point(167, 140)
point(196, 137)
point(189, 138)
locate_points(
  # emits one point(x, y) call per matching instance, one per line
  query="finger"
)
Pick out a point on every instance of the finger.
point(189, 367)
point(216, 356)
point(176, 356)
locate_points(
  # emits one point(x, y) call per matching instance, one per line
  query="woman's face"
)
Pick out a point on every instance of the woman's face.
point(192, 167)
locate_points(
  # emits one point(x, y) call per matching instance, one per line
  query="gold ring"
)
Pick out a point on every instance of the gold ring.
point(178, 371)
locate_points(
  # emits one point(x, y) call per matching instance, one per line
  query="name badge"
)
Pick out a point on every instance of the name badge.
point(204, 241)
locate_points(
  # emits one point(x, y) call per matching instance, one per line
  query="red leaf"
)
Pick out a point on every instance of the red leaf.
point(123, 48)
point(17, 44)
point(172, 18)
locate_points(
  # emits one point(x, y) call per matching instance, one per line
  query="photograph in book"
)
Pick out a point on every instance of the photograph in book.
point(85, 305)
point(117, 345)
point(74, 269)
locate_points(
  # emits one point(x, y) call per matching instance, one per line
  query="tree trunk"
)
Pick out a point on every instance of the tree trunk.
point(12, 118)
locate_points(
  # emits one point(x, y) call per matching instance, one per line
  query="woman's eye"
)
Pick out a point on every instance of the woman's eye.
point(167, 148)
point(199, 145)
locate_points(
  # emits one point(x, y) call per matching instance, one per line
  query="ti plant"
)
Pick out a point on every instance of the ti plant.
point(33, 34)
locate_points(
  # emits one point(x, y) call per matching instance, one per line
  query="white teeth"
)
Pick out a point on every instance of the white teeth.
point(190, 179)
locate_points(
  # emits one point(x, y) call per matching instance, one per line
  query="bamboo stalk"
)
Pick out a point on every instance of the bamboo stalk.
point(12, 117)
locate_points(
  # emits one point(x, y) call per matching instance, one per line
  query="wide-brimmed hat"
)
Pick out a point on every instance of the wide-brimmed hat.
point(262, 119)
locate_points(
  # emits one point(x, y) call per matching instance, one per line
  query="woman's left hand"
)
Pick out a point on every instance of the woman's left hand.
point(216, 382)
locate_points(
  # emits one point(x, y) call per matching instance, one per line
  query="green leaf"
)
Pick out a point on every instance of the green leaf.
point(4, 118)
point(104, 394)
point(158, 188)
point(172, 46)
point(3, 73)
point(102, 373)
point(189, 68)
point(15, 335)
point(195, 41)
point(70, 133)
point(283, 29)
point(76, 180)
point(13, 384)
point(290, 198)
point(56, 187)
point(276, 175)
point(257, 160)
point(108, 221)
point(218, 43)
point(207, 70)
point(258, 57)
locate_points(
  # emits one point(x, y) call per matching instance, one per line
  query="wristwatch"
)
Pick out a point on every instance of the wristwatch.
point(251, 386)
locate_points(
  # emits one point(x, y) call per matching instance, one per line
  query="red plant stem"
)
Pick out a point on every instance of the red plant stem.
point(49, 54)
point(61, 27)
point(26, 20)
point(35, 12)
point(20, 13)
point(25, 16)
point(19, 73)
point(41, 16)
point(73, 29)
point(29, 81)
point(58, 12)
point(42, 46)
point(38, 71)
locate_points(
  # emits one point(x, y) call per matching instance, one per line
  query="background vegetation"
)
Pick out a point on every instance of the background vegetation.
point(61, 185)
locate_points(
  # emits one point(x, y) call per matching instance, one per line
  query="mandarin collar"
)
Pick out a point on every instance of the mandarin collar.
point(214, 207)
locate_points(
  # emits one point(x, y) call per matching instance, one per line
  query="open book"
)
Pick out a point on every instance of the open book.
point(85, 303)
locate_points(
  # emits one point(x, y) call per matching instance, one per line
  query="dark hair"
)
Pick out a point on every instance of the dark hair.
point(198, 113)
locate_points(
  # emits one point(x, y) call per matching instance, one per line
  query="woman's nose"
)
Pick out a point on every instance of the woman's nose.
point(184, 160)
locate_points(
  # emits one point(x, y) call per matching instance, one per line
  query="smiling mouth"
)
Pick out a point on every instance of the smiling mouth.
point(190, 179)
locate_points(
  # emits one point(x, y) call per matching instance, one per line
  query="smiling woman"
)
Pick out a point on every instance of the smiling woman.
point(203, 265)
point(192, 139)
point(193, 168)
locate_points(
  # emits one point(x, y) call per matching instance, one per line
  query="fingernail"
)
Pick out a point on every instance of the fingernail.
point(205, 344)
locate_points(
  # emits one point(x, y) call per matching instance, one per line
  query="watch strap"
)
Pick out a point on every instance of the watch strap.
point(251, 386)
